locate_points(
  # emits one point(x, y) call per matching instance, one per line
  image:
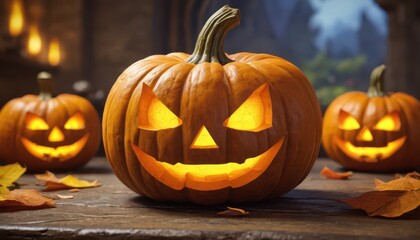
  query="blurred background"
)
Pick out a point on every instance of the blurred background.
point(86, 44)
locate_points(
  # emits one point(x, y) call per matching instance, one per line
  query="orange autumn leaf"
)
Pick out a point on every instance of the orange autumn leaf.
point(233, 212)
point(68, 182)
point(24, 199)
point(330, 174)
point(408, 182)
point(390, 203)
point(378, 182)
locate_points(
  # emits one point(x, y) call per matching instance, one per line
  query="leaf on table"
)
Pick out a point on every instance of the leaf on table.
point(330, 174)
point(24, 199)
point(410, 181)
point(10, 173)
point(52, 183)
point(378, 182)
point(233, 212)
point(390, 203)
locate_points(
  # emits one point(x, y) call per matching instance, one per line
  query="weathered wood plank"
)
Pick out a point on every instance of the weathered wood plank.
point(113, 211)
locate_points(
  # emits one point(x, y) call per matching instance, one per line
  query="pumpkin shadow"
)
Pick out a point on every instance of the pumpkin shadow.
point(296, 203)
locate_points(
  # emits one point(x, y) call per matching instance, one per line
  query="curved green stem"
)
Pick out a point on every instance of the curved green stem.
point(209, 45)
point(376, 86)
point(45, 85)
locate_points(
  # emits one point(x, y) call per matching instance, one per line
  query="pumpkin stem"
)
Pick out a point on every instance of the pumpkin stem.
point(376, 86)
point(45, 85)
point(209, 45)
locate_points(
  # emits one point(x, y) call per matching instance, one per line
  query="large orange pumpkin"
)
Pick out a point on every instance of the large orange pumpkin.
point(209, 128)
point(49, 133)
point(373, 131)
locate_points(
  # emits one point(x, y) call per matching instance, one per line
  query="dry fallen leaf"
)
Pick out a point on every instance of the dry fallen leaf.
point(68, 182)
point(378, 182)
point(330, 174)
point(10, 173)
point(24, 199)
point(233, 212)
point(390, 203)
point(407, 183)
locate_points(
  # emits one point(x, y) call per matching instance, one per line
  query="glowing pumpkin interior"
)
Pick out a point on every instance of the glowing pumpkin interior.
point(254, 115)
point(390, 122)
point(36, 123)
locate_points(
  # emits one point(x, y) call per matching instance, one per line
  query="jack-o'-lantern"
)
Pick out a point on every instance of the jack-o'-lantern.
point(374, 131)
point(49, 133)
point(210, 128)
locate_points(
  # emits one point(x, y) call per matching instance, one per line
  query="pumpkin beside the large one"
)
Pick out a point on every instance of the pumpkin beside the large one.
point(49, 133)
point(210, 128)
point(373, 131)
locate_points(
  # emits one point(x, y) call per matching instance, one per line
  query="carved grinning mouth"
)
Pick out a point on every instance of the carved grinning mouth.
point(207, 177)
point(62, 153)
point(369, 154)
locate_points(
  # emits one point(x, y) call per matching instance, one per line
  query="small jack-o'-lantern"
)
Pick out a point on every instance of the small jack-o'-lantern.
point(373, 131)
point(49, 133)
point(210, 128)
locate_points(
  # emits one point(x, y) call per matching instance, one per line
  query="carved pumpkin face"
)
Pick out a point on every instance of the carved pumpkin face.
point(60, 142)
point(253, 115)
point(358, 141)
point(374, 131)
point(208, 129)
point(49, 133)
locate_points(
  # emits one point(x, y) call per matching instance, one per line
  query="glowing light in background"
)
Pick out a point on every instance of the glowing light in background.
point(34, 41)
point(54, 55)
point(16, 18)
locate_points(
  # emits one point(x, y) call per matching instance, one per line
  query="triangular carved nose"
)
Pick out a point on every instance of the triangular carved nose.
point(203, 140)
point(56, 135)
point(365, 135)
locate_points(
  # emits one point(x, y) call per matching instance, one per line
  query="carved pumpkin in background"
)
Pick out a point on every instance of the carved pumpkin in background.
point(210, 128)
point(374, 131)
point(49, 133)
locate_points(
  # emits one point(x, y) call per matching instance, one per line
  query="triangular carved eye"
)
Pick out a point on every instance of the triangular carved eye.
point(153, 114)
point(75, 122)
point(255, 114)
point(390, 122)
point(347, 122)
point(35, 122)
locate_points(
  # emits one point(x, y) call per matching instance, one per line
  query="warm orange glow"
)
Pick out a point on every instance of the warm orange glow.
point(370, 154)
point(390, 122)
point(54, 55)
point(347, 121)
point(255, 114)
point(75, 122)
point(56, 135)
point(207, 177)
point(365, 135)
point(203, 139)
point(16, 18)
point(34, 122)
point(153, 114)
point(34, 41)
point(62, 153)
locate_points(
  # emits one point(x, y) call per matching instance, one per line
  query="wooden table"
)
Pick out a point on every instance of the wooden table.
point(112, 211)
